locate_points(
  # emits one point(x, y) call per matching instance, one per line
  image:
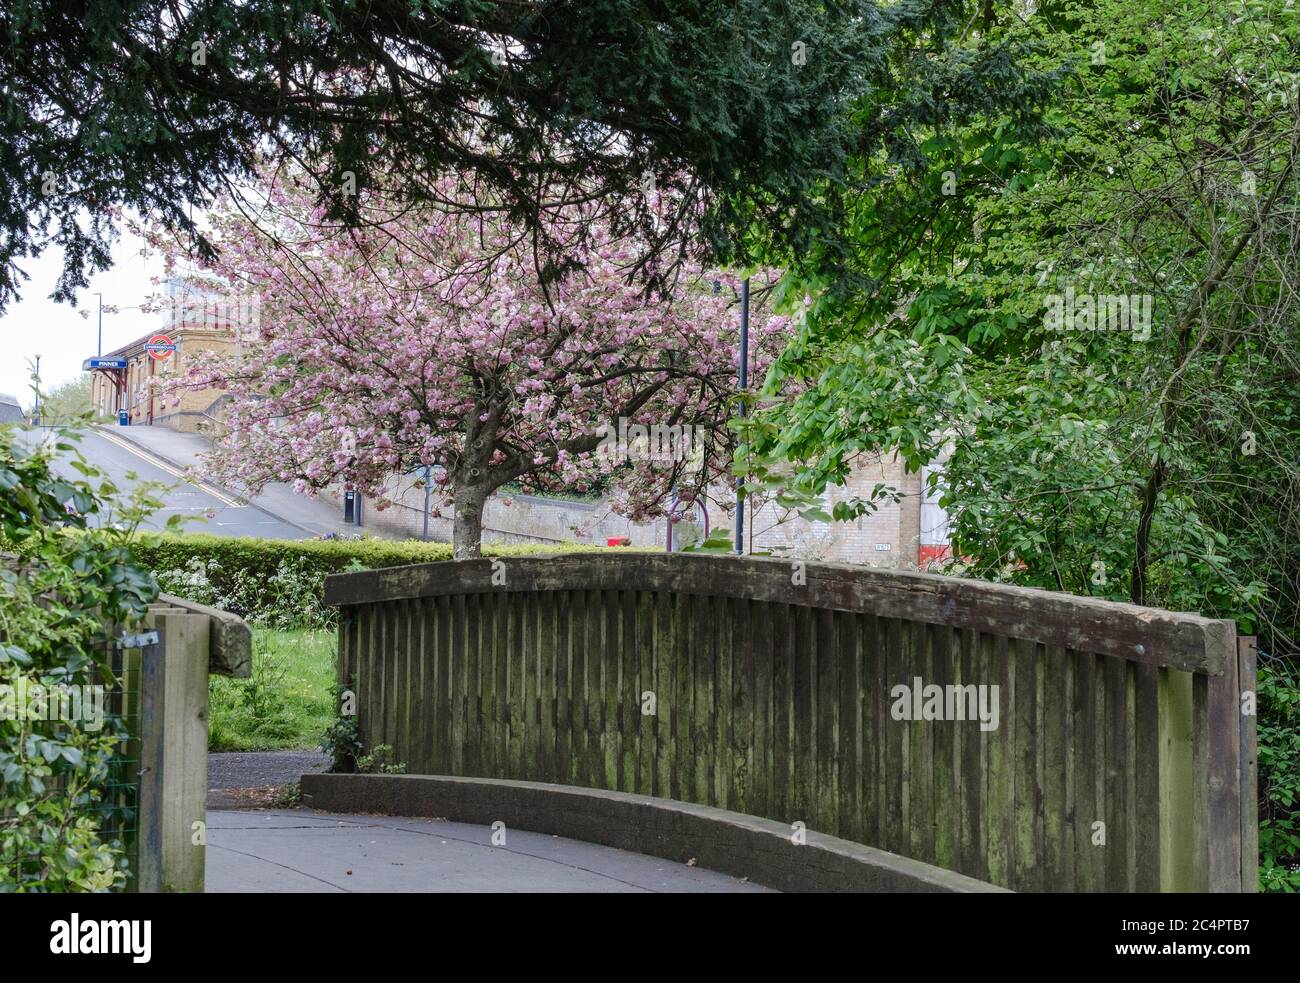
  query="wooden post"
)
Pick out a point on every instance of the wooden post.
point(1218, 744)
point(153, 678)
point(183, 747)
point(1249, 749)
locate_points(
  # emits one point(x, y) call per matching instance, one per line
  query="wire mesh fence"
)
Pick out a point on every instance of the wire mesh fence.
point(112, 795)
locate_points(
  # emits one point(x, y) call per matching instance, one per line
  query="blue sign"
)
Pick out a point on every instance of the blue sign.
point(105, 363)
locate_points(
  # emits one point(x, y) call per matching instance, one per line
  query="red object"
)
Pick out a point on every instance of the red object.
point(618, 541)
point(160, 353)
point(934, 553)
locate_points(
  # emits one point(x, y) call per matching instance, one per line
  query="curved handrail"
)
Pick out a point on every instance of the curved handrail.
point(1146, 635)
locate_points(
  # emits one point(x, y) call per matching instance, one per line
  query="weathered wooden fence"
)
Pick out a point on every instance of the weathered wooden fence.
point(1121, 759)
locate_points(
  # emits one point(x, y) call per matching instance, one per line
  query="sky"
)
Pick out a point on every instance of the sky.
point(37, 325)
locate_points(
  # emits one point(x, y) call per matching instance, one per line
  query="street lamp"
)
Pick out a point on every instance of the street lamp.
point(99, 348)
point(744, 381)
point(36, 409)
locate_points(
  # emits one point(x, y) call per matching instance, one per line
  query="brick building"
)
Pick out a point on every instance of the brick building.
point(199, 322)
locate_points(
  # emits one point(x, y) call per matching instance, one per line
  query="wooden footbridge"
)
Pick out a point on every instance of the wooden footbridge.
point(1032, 740)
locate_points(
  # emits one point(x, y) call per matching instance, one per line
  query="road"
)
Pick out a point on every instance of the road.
point(208, 507)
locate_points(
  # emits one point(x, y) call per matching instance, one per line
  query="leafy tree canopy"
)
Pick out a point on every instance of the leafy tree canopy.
point(736, 106)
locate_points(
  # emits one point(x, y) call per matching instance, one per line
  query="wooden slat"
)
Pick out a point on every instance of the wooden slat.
point(579, 765)
point(1058, 777)
point(762, 800)
point(803, 660)
point(646, 724)
point(1219, 735)
point(826, 723)
point(666, 698)
point(875, 702)
point(947, 773)
point(783, 805)
point(610, 664)
point(474, 684)
point(1000, 828)
point(684, 698)
point(1146, 778)
point(920, 765)
point(722, 711)
point(848, 738)
point(974, 752)
point(428, 757)
point(740, 725)
point(516, 704)
point(628, 710)
point(896, 746)
point(563, 687)
point(546, 697)
point(1181, 868)
point(405, 719)
point(383, 669)
point(501, 682)
point(1027, 766)
point(456, 678)
point(1115, 792)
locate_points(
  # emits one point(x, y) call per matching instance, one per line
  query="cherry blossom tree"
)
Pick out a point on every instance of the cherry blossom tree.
point(432, 339)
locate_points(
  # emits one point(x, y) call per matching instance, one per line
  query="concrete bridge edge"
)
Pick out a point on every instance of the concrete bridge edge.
point(763, 850)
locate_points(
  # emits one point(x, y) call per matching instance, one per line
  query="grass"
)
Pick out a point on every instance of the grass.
point(288, 702)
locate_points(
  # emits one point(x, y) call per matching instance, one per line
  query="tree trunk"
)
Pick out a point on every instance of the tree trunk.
point(1137, 589)
point(467, 522)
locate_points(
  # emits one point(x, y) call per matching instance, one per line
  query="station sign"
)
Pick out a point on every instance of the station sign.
point(160, 346)
point(103, 363)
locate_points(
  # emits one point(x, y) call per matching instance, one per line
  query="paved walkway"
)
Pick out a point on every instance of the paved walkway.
point(306, 851)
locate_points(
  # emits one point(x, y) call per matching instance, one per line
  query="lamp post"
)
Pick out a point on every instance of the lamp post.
point(428, 477)
point(36, 408)
point(99, 348)
point(744, 382)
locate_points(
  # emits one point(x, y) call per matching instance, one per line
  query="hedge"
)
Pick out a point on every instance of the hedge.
point(278, 582)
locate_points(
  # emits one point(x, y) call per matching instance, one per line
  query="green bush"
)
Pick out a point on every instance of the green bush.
point(279, 583)
point(1279, 778)
point(55, 596)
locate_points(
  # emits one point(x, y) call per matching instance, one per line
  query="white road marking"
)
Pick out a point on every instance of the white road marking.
point(162, 465)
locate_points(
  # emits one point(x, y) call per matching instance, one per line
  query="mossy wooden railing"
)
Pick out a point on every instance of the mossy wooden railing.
point(1121, 760)
point(162, 694)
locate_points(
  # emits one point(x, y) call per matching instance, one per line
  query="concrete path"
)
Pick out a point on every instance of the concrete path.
point(307, 851)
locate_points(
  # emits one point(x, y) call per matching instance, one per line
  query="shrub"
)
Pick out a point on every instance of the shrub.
point(55, 597)
point(279, 583)
point(1279, 777)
